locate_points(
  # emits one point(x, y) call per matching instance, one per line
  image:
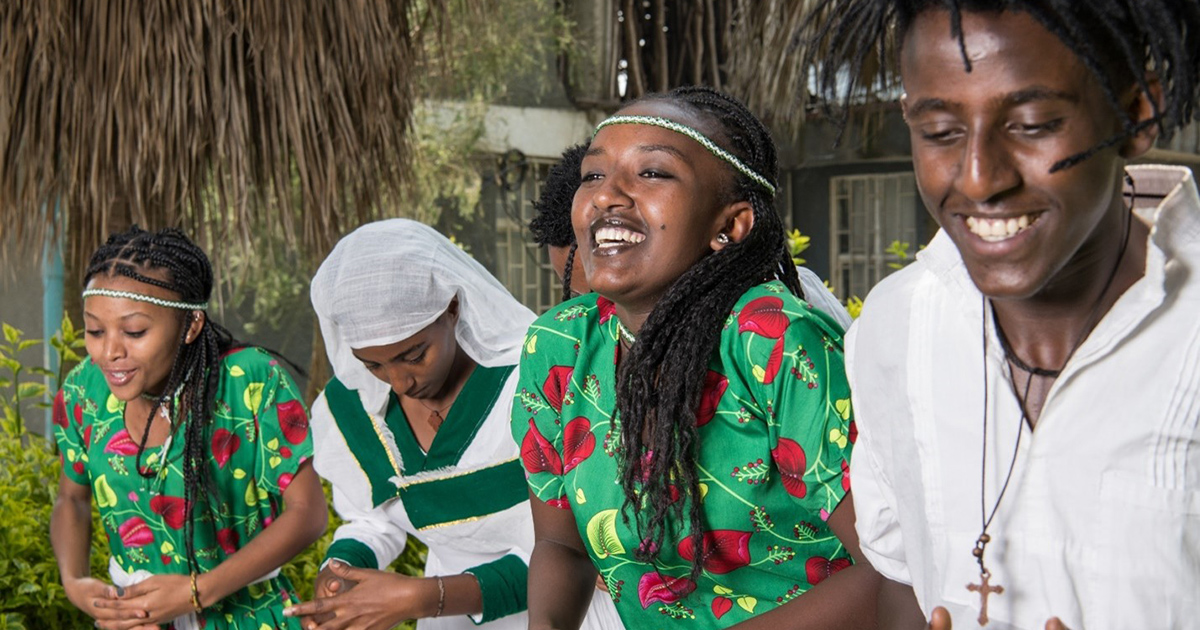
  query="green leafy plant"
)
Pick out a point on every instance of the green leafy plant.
point(15, 388)
point(796, 244)
point(899, 249)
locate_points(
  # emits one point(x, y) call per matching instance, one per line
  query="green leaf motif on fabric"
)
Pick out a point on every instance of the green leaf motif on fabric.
point(602, 534)
point(105, 497)
point(531, 344)
point(747, 603)
point(253, 396)
point(251, 497)
point(236, 371)
point(113, 404)
point(842, 407)
point(721, 590)
point(580, 498)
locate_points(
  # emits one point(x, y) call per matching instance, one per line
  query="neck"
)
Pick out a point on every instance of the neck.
point(1044, 330)
point(463, 366)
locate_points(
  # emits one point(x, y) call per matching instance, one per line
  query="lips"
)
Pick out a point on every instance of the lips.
point(994, 230)
point(117, 378)
point(613, 234)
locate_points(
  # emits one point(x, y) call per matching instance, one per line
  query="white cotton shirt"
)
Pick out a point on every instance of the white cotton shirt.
point(1100, 525)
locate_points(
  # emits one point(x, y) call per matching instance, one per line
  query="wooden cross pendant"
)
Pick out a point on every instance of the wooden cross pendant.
point(984, 589)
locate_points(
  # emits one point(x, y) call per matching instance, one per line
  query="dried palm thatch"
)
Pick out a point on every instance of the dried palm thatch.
point(214, 115)
point(764, 69)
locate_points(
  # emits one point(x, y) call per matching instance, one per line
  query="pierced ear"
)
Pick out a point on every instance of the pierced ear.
point(1142, 108)
point(736, 221)
point(195, 325)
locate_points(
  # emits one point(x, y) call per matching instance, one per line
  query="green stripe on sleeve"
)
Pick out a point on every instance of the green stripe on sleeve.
point(353, 553)
point(503, 586)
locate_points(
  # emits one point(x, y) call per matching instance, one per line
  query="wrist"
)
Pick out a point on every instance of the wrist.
point(434, 596)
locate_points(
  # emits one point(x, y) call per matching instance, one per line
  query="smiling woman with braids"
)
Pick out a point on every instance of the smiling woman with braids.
point(191, 445)
point(686, 428)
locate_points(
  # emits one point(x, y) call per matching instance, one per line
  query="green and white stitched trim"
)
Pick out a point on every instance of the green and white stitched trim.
point(658, 121)
point(129, 295)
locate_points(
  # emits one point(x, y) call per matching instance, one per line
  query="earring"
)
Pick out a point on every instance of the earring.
point(723, 238)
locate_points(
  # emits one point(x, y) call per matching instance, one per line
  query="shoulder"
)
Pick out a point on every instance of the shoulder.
point(576, 314)
point(85, 379)
point(249, 361)
point(771, 310)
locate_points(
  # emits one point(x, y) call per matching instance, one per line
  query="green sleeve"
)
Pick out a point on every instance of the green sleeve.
point(353, 553)
point(503, 584)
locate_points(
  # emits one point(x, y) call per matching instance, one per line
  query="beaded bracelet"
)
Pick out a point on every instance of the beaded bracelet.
point(441, 597)
point(196, 596)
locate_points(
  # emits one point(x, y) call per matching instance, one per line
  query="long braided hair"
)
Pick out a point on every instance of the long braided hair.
point(1117, 40)
point(660, 382)
point(551, 226)
point(192, 382)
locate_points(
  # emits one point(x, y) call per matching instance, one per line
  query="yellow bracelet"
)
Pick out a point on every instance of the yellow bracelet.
point(196, 596)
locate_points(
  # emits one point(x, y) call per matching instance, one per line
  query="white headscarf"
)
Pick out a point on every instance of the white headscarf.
point(387, 280)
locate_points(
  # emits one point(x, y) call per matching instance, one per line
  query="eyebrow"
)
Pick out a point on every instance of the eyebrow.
point(123, 317)
point(643, 148)
point(1020, 97)
point(399, 355)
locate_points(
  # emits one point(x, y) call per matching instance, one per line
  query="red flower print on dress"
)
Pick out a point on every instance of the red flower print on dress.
point(720, 606)
point(764, 316)
point(292, 421)
point(228, 540)
point(845, 476)
point(818, 568)
point(172, 509)
point(58, 414)
point(561, 503)
point(135, 533)
point(655, 587)
point(224, 445)
point(606, 308)
point(853, 432)
point(538, 454)
point(558, 381)
point(87, 436)
point(791, 462)
point(773, 363)
point(78, 468)
point(578, 442)
point(78, 414)
point(121, 444)
point(725, 550)
point(285, 480)
point(715, 385)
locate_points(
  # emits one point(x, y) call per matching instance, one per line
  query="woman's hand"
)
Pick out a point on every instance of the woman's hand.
point(152, 602)
point(367, 599)
point(91, 596)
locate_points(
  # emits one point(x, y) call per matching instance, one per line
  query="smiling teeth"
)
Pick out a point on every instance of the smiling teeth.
point(614, 236)
point(993, 230)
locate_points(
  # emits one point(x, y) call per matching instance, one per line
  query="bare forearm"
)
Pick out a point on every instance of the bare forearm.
point(561, 583)
point(302, 522)
point(846, 599)
point(71, 536)
point(898, 608)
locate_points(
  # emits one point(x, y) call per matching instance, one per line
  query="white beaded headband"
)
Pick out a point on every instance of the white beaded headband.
point(658, 121)
point(129, 295)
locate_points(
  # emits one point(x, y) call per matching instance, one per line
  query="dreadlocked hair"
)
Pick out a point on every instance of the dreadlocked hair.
point(660, 382)
point(551, 226)
point(1119, 41)
point(192, 382)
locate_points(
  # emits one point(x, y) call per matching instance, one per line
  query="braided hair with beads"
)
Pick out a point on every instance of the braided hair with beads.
point(551, 226)
point(192, 382)
point(660, 382)
point(1121, 42)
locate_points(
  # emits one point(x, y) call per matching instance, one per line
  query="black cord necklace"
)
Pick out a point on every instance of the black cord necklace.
point(984, 588)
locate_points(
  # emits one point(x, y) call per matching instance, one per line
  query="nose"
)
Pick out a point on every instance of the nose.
point(400, 379)
point(611, 192)
point(986, 170)
point(114, 347)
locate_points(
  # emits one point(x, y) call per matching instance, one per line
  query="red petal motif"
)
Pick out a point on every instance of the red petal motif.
point(578, 442)
point(791, 462)
point(121, 444)
point(845, 476)
point(774, 362)
point(561, 503)
point(720, 606)
point(818, 568)
point(285, 480)
point(135, 533)
point(556, 385)
point(725, 550)
point(606, 308)
point(715, 385)
point(78, 414)
point(538, 454)
point(655, 587)
point(87, 436)
point(172, 510)
point(228, 540)
point(764, 316)
point(293, 421)
point(224, 445)
point(59, 413)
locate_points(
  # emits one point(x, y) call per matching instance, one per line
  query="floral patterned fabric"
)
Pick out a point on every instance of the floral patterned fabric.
point(775, 433)
point(259, 437)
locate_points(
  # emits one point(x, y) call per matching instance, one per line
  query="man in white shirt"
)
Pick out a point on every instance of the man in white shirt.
point(1028, 392)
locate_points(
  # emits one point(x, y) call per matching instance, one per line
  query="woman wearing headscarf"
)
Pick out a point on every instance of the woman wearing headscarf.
point(412, 433)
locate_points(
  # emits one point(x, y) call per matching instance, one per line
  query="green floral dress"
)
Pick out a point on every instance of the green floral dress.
point(259, 437)
point(775, 434)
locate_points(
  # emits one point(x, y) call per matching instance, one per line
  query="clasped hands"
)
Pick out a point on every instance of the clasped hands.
point(349, 598)
point(142, 606)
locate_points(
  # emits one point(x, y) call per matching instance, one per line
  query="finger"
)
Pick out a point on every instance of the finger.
point(1055, 624)
point(940, 620)
point(345, 571)
point(314, 607)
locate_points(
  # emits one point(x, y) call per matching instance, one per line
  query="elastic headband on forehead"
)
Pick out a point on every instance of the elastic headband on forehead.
point(658, 121)
point(150, 299)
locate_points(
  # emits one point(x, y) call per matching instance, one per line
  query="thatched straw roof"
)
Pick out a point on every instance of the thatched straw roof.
point(137, 110)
